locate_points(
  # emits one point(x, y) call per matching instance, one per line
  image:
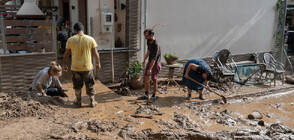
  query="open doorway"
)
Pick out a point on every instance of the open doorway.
point(65, 12)
point(289, 35)
point(83, 13)
point(120, 23)
point(289, 25)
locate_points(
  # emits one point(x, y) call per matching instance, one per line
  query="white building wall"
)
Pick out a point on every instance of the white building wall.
point(198, 28)
point(95, 8)
point(74, 13)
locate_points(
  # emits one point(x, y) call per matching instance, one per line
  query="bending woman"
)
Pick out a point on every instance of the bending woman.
point(46, 81)
point(200, 71)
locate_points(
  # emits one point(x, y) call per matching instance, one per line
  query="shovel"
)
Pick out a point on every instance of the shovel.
point(223, 97)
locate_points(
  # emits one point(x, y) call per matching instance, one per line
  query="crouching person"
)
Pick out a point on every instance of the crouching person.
point(200, 71)
point(46, 81)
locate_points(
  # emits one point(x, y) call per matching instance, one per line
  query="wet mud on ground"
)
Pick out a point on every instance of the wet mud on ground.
point(26, 116)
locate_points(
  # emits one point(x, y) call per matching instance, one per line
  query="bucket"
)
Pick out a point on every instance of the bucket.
point(255, 115)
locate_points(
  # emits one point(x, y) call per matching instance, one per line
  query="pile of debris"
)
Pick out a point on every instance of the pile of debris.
point(275, 131)
point(26, 104)
point(96, 126)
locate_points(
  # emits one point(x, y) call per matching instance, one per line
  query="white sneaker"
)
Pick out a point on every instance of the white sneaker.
point(153, 98)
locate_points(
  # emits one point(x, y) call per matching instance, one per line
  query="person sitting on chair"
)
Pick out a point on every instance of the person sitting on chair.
point(46, 81)
point(200, 71)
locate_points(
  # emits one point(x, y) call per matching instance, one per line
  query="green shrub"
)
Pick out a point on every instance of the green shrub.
point(134, 69)
point(169, 55)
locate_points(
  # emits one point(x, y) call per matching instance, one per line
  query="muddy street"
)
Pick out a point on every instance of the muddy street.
point(26, 116)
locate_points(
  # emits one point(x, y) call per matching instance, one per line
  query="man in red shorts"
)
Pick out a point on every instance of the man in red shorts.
point(153, 66)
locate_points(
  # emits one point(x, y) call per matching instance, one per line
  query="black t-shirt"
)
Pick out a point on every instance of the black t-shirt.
point(154, 50)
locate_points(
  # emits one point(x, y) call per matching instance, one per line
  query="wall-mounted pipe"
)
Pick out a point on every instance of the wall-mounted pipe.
point(145, 22)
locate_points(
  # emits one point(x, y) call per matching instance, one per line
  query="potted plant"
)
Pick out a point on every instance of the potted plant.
point(134, 71)
point(170, 58)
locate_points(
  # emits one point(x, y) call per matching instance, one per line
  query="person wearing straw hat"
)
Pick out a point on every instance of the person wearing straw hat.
point(46, 81)
point(200, 71)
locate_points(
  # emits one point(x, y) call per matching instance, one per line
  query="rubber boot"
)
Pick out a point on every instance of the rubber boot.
point(78, 93)
point(93, 103)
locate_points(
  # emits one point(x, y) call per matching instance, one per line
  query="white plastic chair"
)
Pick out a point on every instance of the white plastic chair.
point(273, 66)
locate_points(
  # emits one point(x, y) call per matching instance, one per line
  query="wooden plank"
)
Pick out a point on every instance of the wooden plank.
point(10, 6)
point(6, 79)
point(13, 88)
point(48, 46)
point(26, 31)
point(14, 70)
point(31, 75)
point(3, 35)
point(36, 46)
point(28, 22)
point(17, 46)
point(17, 64)
point(10, 39)
point(35, 38)
point(12, 10)
point(43, 38)
point(10, 13)
point(12, 80)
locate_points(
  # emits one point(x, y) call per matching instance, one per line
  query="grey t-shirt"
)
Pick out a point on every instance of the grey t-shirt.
point(42, 79)
point(154, 50)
